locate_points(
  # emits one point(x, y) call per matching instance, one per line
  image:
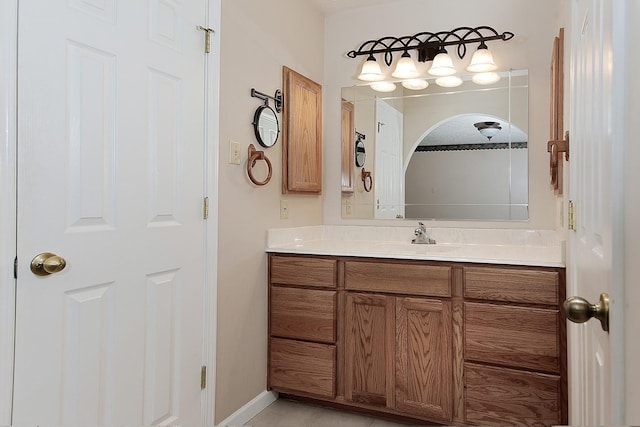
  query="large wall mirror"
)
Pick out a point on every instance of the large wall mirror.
point(444, 153)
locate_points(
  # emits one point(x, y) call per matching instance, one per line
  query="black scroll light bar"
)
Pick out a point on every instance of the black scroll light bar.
point(277, 99)
point(429, 44)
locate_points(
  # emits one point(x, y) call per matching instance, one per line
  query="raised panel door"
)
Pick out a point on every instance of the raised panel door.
point(424, 363)
point(302, 134)
point(369, 349)
point(111, 177)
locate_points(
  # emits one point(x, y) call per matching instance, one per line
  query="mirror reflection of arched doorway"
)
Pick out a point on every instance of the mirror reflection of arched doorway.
point(456, 172)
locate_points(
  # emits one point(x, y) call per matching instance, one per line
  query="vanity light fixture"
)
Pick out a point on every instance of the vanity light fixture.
point(488, 129)
point(371, 70)
point(430, 47)
point(405, 68)
point(482, 60)
point(442, 65)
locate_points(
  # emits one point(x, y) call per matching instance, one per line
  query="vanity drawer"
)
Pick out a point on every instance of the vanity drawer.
point(303, 271)
point(308, 314)
point(501, 396)
point(400, 278)
point(302, 366)
point(513, 336)
point(512, 285)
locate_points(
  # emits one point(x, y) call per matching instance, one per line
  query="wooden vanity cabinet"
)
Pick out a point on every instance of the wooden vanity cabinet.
point(454, 343)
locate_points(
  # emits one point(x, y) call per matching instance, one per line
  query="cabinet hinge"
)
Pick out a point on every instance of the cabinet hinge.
point(572, 215)
point(205, 208)
point(207, 38)
point(203, 377)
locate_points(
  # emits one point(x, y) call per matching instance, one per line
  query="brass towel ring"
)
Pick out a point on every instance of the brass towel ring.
point(367, 181)
point(254, 156)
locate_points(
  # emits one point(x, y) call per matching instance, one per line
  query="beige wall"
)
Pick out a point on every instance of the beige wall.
point(257, 39)
point(534, 24)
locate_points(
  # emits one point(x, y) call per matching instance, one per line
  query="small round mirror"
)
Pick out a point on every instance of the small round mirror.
point(360, 153)
point(265, 126)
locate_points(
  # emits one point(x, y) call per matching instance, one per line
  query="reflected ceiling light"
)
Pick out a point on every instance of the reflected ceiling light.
point(488, 129)
point(405, 68)
point(482, 60)
point(415, 84)
point(371, 70)
point(383, 86)
point(449, 81)
point(442, 65)
point(485, 78)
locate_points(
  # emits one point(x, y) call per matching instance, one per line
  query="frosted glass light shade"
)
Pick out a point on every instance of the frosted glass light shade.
point(383, 86)
point(449, 81)
point(489, 132)
point(371, 71)
point(485, 78)
point(405, 68)
point(482, 61)
point(415, 84)
point(442, 65)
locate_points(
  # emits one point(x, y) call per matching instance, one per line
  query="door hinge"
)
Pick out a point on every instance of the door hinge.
point(207, 38)
point(203, 377)
point(205, 208)
point(15, 268)
point(572, 215)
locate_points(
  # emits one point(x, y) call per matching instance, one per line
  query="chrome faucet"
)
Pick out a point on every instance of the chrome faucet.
point(421, 236)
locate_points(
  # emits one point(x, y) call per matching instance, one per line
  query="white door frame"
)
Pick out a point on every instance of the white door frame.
point(212, 135)
point(8, 53)
point(8, 138)
point(627, 204)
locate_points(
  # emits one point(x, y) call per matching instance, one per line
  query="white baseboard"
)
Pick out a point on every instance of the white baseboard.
point(250, 410)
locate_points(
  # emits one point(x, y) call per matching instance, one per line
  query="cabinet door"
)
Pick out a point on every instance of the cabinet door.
point(302, 134)
point(369, 349)
point(423, 356)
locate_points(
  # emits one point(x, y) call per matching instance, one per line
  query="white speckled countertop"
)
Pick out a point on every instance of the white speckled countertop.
point(496, 246)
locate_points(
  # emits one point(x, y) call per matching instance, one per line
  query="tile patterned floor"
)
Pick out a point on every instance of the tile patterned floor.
point(290, 413)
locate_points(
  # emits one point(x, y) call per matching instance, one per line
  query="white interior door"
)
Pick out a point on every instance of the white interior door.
point(389, 179)
point(110, 177)
point(592, 351)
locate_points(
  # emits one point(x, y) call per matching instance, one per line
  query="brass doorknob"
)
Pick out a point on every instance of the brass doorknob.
point(579, 310)
point(47, 263)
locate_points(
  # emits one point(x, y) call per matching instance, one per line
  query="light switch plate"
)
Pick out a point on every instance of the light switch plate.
point(234, 152)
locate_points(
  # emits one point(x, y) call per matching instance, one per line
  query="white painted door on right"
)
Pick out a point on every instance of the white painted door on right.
point(591, 263)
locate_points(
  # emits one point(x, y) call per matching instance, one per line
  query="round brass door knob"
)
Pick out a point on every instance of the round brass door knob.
point(47, 263)
point(579, 310)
